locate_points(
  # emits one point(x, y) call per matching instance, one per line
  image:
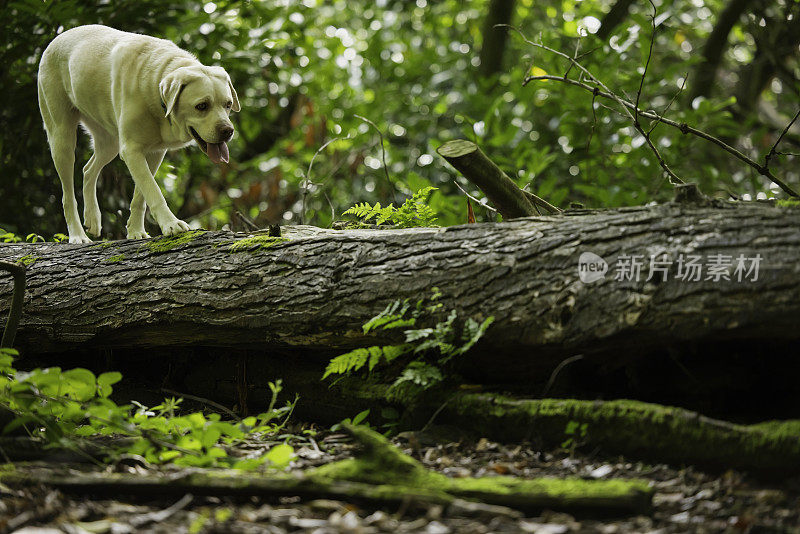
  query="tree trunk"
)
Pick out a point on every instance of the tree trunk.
point(705, 73)
point(613, 18)
point(494, 39)
point(314, 288)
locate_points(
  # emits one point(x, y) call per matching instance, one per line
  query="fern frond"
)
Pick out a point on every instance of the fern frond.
point(349, 361)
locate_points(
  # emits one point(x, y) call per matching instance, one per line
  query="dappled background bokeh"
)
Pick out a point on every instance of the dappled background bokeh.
point(306, 71)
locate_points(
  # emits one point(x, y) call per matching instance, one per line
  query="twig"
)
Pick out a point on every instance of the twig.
point(307, 182)
point(674, 179)
point(437, 412)
point(557, 370)
point(17, 270)
point(383, 153)
point(209, 402)
point(480, 202)
point(333, 211)
point(139, 521)
point(664, 112)
point(591, 134)
point(682, 126)
point(777, 141)
point(646, 63)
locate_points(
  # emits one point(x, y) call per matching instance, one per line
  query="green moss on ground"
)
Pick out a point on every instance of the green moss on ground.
point(165, 244)
point(256, 243)
point(382, 463)
point(788, 202)
point(115, 259)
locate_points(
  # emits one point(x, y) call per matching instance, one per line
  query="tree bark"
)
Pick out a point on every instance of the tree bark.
point(17, 272)
point(316, 288)
point(511, 201)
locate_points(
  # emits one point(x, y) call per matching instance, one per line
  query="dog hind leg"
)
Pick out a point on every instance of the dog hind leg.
point(106, 149)
point(61, 124)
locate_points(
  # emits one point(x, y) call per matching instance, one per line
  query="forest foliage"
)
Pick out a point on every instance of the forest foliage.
point(315, 76)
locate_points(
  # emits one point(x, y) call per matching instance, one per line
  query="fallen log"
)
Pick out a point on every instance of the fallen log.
point(380, 473)
point(314, 288)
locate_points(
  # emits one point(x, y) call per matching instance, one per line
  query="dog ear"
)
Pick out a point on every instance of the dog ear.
point(236, 106)
point(222, 73)
point(170, 89)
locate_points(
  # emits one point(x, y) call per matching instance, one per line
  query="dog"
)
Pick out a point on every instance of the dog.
point(137, 97)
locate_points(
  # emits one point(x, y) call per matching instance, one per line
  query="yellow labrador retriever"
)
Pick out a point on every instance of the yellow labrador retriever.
point(138, 97)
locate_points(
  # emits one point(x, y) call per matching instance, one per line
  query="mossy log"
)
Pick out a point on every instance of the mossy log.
point(314, 288)
point(379, 474)
point(635, 429)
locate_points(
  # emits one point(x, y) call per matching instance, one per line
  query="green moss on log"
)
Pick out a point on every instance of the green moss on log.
point(167, 243)
point(256, 243)
point(381, 462)
point(637, 429)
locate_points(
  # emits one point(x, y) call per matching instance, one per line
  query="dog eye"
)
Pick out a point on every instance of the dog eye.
point(229, 104)
point(202, 106)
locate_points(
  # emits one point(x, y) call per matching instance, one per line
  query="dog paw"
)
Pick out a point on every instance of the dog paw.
point(91, 221)
point(78, 239)
point(173, 227)
point(138, 234)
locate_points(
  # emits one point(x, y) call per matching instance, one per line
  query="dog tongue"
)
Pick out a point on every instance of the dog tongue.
point(218, 152)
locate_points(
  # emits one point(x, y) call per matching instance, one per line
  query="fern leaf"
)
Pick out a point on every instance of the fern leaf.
point(348, 362)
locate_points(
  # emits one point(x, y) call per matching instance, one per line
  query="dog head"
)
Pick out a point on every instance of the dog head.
point(200, 99)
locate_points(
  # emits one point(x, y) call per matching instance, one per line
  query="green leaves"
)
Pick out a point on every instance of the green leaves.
point(105, 381)
point(279, 456)
point(414, 212)
point(79, 384)
point(66, 407)
point(431, 347)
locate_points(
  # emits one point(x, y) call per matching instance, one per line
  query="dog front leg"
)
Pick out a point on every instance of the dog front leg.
point(147, 186)
point(136, 220)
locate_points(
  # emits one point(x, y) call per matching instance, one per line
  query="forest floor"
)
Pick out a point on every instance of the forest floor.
point(685, 500)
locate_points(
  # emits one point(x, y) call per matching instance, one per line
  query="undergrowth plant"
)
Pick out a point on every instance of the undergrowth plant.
point(414, 212)
point(428, 349)
point(10, 237)
point(68, 408)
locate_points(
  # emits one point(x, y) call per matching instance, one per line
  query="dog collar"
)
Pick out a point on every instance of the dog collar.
point(164, 107)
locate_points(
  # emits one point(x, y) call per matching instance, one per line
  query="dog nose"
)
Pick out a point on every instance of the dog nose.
point(225, 133)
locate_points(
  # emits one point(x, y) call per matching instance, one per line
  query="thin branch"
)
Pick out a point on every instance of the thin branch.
point(209, 402)
point(646, 64)
point(480, 202)
point(307, 182)
point(383, 153)
point(674, 179)
point(591, 134)
point(664, 112)
point(682, 126)
point(333, 211)
point(777, 141)
point(575, 56)
point(557, 370)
